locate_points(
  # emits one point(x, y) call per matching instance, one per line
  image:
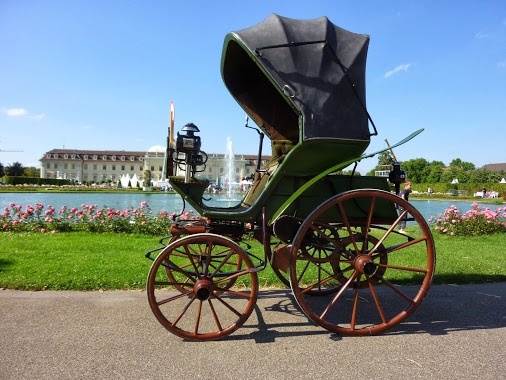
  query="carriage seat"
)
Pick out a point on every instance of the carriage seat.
point(280, 149)
point(194, 190)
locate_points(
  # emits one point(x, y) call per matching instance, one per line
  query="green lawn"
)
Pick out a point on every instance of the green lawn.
point(88, 261)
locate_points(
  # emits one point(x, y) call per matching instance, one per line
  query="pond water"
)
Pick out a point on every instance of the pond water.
point(173, 203)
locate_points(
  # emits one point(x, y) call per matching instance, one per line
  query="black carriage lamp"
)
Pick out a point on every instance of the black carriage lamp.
point(189, 144)
point(397, 176)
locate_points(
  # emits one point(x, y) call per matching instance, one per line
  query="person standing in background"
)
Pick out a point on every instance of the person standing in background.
point(404, 195)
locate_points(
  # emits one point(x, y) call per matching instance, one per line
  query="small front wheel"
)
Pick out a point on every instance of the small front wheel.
point(202, 287)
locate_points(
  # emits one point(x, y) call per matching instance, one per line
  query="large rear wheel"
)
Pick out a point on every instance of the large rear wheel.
point(375, 276)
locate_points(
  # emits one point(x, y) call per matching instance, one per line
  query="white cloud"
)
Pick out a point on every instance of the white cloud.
point(157, 148)
point(482, 35)
point(403, 67)
point(21, 112)
point(14, 112)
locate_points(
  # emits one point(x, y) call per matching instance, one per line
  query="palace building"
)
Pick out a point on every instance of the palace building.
point(99, 166)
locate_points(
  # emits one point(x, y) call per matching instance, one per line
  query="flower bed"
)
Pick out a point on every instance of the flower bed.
point(477, 221)
point(89, 218)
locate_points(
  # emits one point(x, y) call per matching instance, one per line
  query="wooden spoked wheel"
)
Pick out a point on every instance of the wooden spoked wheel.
point(376, 276)
point(202, 287)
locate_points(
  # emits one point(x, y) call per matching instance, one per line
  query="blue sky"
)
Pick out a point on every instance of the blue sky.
point(92, 74)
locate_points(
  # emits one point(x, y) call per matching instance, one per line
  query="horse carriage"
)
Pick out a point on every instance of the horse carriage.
point(332, 239)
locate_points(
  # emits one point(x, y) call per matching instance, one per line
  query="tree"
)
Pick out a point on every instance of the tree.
point(15, 170)
point(417, 170)
point(385, 158)
point(2, 173)
point(147, 178)
point(464, 165)
point(435, 172)
point(31, 171)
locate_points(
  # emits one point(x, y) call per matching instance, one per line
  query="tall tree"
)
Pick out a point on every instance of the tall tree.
point(15, 170)
point(416, 169)
point(2, 173)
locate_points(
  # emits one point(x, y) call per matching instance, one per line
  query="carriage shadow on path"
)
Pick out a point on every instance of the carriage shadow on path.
point(446, 309)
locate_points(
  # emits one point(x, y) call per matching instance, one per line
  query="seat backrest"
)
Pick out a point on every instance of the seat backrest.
point(280, 149)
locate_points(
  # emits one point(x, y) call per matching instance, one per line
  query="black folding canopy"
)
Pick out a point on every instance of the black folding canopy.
point(299, 79)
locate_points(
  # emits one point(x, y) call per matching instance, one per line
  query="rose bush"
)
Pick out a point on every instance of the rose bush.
point(89, 218)
point(477, 221)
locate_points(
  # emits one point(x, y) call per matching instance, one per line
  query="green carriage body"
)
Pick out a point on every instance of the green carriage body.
point(303, 83)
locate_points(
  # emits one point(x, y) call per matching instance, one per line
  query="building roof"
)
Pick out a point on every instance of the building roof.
point(97, 152)
point(495, 167)
point(81, 153)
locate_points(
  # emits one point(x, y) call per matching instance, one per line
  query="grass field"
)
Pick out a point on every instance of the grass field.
point(87, 261)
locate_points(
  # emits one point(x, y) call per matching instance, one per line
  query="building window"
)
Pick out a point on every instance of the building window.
point(85, 156)
point(122, 158)
point(210, 169)
point(73, 166)
point(104, 157)
point(132, 168)
point(95, 157)
point(152, 168)
point(65, 156)
point(113, 158)
point(48, 156)
point(221, 170)
point(65, 166)
point(73, 156)
point(94, 168)
point(104, 167)
point(132, 158)
point(85, 166)
point(122, 168)
point(114, 167)
point(56, 166)
point(55, 156)
point(48, 165)
point(160, 168)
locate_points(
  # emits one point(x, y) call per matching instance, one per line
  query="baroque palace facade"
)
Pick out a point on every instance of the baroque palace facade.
point(99, 166)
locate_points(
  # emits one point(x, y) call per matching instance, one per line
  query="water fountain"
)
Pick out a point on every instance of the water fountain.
point(230, 179)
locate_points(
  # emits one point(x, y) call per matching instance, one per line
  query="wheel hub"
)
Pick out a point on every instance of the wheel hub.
point(203, 289)
point(363, 264)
